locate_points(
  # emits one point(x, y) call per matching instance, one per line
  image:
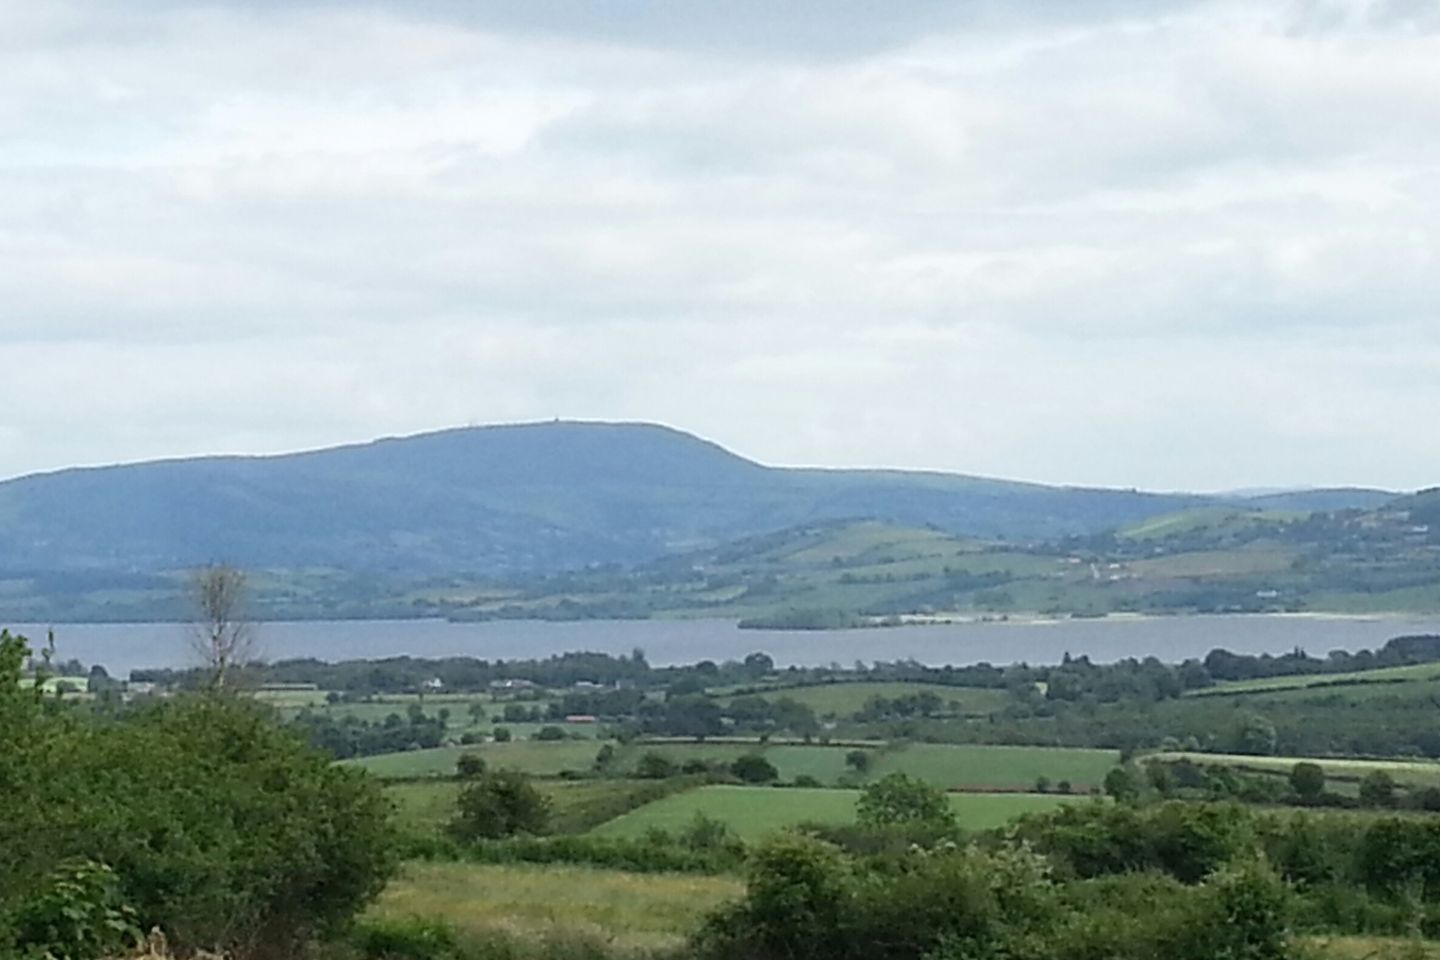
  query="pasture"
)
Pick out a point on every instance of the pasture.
point(1418, 773)
point(1342, 683)
point(753, 812)
point(951, 766)
point(539, 758)
point(846, 699)
point(957, 766)
point(630, 912)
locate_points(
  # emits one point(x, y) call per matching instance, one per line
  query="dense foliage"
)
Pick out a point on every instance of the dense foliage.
point(216, 825)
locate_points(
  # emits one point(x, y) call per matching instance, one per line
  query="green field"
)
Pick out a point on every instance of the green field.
point(631, 912)
point(424, 808)
point(756, 811)
point(1013, 768)
point(847, 699)
point(533, 757)
point(952, 766)
point(1408, 772)
point(1387, 676)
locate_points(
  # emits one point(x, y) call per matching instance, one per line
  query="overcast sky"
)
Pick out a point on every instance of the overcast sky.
point(1167, 245)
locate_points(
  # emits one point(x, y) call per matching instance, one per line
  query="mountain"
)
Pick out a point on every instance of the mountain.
point(504, 499)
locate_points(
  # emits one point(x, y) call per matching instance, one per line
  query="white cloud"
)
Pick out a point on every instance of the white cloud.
point(1181, 245)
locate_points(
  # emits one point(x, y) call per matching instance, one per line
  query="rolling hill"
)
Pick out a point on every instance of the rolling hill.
point(490, 499)
point(502, 503)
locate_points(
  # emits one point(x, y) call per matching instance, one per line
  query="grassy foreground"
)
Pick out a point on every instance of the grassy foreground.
point(630, 912)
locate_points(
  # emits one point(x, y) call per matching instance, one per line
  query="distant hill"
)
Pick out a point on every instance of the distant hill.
point(503, 501)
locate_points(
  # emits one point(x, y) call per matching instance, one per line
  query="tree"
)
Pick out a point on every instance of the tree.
point(501, 734)
point(500, 804)
point(902, 799)
point(1377, 789)
point(1120, 785)
point(1307, 780)
point(1256, 735)
point(654, 766)
point(753, 768)
point(858, 760)
point(222, 635)
point(469, 766)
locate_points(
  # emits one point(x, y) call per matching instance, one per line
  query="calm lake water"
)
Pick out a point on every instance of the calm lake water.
point(123, 647)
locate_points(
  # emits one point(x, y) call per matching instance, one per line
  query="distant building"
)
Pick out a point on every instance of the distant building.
point(433, 684)
point(581, 718)
point(513, 684)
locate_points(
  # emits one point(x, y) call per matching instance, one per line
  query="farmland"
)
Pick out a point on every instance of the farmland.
point(847, 699)
point(1417, 773)
point(534, 757)
point(1386, 676)
point(950, 766)
point(753, 812)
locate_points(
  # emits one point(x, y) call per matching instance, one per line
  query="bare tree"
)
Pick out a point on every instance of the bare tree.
point(222, 634)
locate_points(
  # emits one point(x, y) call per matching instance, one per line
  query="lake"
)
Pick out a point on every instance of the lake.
point(123, 647)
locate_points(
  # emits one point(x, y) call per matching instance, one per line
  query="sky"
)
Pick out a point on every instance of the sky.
point(1168, 245)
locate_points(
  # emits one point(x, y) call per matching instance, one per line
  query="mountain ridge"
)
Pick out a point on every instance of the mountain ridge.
point(496, 499)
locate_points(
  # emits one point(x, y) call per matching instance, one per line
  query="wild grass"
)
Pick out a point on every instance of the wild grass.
point(629, 912)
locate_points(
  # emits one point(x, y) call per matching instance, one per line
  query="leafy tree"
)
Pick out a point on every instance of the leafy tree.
point(1120, 785)
point(469, 766)
point(501, 734)
point(858, 760)
point(654, 766)
point(1377, 789)
point(1307, 780)
point(499, 804)
point(550, 732)
point(753, 768)
point(902, 799)
point(1256, 735)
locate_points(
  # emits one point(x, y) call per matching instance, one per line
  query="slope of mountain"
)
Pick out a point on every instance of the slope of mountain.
point(497, 499)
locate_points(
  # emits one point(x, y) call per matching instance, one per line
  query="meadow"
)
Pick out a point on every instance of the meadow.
point(753, 812)
point(539, 758)
point(629, 912)
point(1417, 773)
point(847, 699)
point(950, 766)
point(1383, 677)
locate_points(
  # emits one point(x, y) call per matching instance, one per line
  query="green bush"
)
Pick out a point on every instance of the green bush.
point(79, 913)
point(498, 804)
point(222, 829)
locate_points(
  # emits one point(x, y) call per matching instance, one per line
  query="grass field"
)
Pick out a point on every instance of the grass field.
point(1387, 676)
point(424, 808)
point(951, 766)
point(533, 757)
point(1013, 768)
point(632, 912)
point(847, 699)
point(1407, 772)
point(753, 812)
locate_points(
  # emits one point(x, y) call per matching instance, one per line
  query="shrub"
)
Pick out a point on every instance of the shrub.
point(78, 913)
point(469, 766)
point(900, 798)
point(500, 804)
point(221, 828)
point(753, 768)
